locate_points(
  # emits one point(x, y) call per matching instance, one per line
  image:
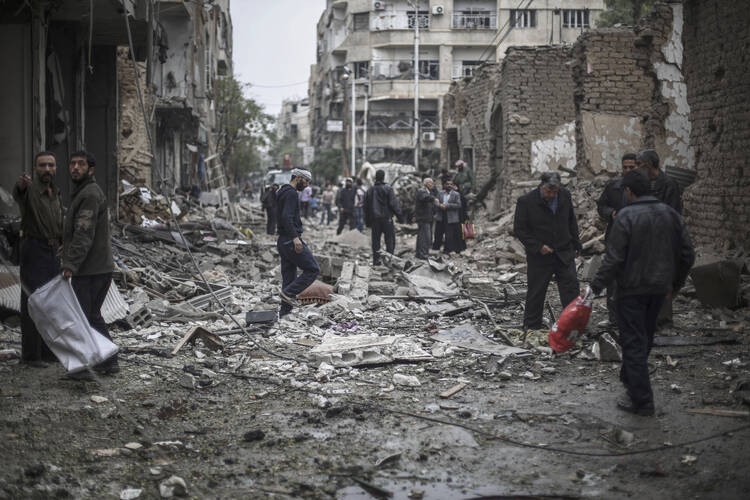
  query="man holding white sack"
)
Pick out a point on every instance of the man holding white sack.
point(87, 251)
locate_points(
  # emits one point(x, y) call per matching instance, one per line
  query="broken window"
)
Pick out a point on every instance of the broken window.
point(361, 21)
point(362, 69)
point(576, 18)
point(523, 18)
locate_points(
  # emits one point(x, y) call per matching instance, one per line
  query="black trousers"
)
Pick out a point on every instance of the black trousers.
point(382, 227)
point(439, 235)
point(344, 217)
point(91, 291)
point(453, 238)
point(636, 320)
point(39, 264)
point(292, 284)
point(271, 221)
point(539, 272)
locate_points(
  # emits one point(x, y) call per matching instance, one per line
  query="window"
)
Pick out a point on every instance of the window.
point(576, 18)
point(362, 69)
point(294, 108)
point(423, 16)
point(293, 130)
point(429, 69)
point(361, 21)
point(468, 67)
point(474, 19)
point(523, 18)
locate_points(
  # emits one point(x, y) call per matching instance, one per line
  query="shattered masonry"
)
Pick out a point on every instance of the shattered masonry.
point(134, 157)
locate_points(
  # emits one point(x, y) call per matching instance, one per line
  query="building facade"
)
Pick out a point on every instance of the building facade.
point(374, 42)
point(293, 123)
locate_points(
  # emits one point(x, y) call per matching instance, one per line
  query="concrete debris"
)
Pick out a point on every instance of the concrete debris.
point(406, 380)
point(468, 337)
point(359, 350)
point(607, 349)
point(130, 493)
point(174, 486)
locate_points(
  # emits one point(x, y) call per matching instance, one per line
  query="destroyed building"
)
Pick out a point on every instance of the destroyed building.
point(375, 41)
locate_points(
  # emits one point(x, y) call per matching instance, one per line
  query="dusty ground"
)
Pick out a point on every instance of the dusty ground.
point(263, 427)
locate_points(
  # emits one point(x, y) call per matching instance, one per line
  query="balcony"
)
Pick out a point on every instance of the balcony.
point(427, 121)
point(474, 21)
point(398, 20)
point(429, 69)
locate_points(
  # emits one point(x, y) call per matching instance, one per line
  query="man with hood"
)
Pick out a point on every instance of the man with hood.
point(293, 251)
point(345, 202)
point(380, 207)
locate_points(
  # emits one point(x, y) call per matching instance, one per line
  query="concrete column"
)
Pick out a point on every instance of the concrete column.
point(446, 62)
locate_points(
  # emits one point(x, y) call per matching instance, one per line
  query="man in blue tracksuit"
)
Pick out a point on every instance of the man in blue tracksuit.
point(293, 252)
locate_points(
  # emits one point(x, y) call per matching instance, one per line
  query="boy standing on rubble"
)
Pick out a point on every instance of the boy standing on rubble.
point(293, 252)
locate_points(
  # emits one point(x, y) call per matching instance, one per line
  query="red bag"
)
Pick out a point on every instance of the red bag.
point(467, 231)
point(571, 323)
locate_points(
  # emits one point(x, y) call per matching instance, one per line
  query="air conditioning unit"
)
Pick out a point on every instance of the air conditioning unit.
point(378, 5)
point(438, 10)
point(428, 136)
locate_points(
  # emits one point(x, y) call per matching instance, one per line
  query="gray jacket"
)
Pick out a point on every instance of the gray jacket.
point(452, 212)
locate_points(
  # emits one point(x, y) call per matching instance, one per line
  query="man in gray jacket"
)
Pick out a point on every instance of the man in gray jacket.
point(87, 249)
point(424, 212)
point(450, 214)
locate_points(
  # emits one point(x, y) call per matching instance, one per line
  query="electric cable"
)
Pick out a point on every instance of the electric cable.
point(277, 86)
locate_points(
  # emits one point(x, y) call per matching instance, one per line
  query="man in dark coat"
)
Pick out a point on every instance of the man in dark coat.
point(440, 219)
point(610, 202)
point(293, 252)
point(87, 247)
point(41, 235)
point(381, 205)
point(345, 202)
point(269, 204)
point(666, 190)
point(424, 212)
point(649, 254)
point(546, 225)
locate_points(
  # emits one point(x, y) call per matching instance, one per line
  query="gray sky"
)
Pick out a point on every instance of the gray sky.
point(274, 44)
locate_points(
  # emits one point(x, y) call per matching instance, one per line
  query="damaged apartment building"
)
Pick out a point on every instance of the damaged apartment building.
point(676, 82)
point(74, 86)
point(373, 41)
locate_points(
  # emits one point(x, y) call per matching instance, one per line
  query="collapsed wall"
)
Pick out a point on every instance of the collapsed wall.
point(517, 119)
point(631, 94)
point(717, 56)
point(134, 158)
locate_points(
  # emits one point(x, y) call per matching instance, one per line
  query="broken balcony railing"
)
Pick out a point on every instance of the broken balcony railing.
point(428, 121)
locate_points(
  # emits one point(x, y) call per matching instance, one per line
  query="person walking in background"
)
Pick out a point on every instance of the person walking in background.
point(304, 199)
point(345, 204)
point(41, 210)
point(269, 205)
point(327, 201)
point(359, 201)
point(380, 207)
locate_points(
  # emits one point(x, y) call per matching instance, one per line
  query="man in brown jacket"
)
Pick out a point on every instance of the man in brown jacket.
point(87, 251)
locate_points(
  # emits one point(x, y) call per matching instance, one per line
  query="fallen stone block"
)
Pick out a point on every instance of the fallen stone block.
point(607, 349)
point(357, 350)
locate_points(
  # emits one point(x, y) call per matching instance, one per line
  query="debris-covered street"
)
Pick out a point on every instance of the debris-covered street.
point(411, 381)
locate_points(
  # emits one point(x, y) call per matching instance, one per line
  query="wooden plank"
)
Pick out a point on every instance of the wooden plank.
point(453, 390)
point(720, 413)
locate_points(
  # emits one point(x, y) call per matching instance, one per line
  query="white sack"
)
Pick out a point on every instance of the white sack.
point(61, 323)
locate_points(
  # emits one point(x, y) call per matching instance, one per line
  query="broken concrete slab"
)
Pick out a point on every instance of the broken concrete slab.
point(256, 317)
point(607, 349)
point(468, 337)
point(357, 350)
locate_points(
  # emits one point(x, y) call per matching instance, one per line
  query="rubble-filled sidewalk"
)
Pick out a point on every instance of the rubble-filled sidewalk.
point(407, 380)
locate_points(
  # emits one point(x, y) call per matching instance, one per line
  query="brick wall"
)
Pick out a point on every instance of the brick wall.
point(717, 57)
point(518, 118)
point(133, 157)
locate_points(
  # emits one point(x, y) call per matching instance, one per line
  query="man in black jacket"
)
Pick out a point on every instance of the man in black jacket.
point(609, 203)
point(649, 254)
point(546, 225)
point(380, 207)
point(424, 212)
point(269, 204)
point(345, 202)
point(293, 252)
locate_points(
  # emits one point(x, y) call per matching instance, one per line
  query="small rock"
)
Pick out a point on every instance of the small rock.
point(187, 381)
point(133, 446)
point(675, 388)
point(34, 470)
point(549, 369)
point(175, 486)
point(324, 372)
point(254, 435)
point(528, 375)
point(130, 493)
point(505, 375)
point(99, 399)
point(689, 459)
point(624, 437)
point(406, 380)
point(155, 471)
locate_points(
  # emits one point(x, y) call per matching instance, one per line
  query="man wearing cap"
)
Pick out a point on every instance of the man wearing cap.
point(649, 254)
point(41, 234)
point(546, 225)
point(293, 252)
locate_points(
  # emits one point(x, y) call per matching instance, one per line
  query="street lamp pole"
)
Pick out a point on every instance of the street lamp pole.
point(354, 125)
point(416, 84)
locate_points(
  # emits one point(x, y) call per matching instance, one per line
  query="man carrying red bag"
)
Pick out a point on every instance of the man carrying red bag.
point(649, 255)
